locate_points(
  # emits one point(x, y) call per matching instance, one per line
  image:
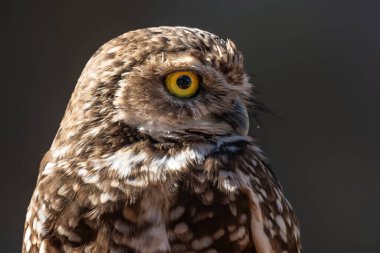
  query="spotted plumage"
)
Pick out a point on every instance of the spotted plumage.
point(135, 169)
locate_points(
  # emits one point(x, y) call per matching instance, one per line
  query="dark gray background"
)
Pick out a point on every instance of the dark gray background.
point(316, 64)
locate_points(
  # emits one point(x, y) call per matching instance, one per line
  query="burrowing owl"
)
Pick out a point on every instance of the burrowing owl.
point(152, 155)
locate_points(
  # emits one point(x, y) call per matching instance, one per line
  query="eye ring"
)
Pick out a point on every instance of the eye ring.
point(183, 84)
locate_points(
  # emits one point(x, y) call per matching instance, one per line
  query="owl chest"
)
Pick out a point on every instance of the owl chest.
point(207, 221)
point(210, 221)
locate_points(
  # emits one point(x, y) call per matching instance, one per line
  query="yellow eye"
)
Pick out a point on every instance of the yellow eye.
point(182, 84)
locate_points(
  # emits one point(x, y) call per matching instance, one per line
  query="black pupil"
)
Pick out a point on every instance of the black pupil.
point(184, 82)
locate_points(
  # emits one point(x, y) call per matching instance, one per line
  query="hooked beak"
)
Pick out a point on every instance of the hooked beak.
point(237, 118)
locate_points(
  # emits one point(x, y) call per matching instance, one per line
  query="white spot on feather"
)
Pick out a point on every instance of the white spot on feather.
point(202, 243)
point(37, 226)
point(43, 247)
point(28, 245)
point(28, 214)
point(61, 151)
point(279, 205)
point(91, 179)
point(218, 234)
point(105, 197)
point(42, 215)
point(280, 222)
point(82, 172)
point(238, 234)
point(27, 242)
point(113, 49)
point(63, 190)
point(181, 228)
point(124, 160)
point(176, 212)
point(228, 180)
point(233, 208)
point(49, 167)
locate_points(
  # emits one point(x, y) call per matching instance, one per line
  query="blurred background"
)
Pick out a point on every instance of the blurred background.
point(316, 65)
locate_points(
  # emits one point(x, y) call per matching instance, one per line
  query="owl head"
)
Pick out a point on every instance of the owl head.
point(164, 83)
